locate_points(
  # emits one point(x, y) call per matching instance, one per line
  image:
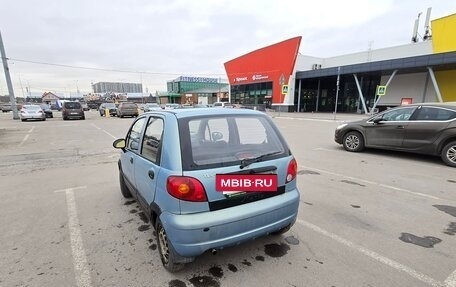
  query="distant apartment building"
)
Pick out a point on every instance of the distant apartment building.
point(109, 87)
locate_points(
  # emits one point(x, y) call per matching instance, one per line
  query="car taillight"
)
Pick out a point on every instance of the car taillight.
point(291, 170)
point(186, 188)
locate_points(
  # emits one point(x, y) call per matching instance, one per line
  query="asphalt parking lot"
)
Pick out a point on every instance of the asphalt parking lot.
point(375, 218)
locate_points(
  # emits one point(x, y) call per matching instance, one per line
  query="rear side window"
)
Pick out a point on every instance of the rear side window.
point(434, 114)
point(152, 140)
point(222, 141)
point(72, 105)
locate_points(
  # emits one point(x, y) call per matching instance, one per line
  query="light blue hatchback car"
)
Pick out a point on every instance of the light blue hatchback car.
point(208, 179)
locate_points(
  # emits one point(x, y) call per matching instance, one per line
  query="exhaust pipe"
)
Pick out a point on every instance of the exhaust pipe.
point(213, 251)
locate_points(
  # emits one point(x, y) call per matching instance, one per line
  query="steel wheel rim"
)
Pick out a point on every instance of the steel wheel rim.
point(164, 248)
point(451, 154)
point(352, 142)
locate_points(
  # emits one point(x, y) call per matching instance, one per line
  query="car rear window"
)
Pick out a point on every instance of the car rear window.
point(223, 141)
point(128, 105)
point(72, 105)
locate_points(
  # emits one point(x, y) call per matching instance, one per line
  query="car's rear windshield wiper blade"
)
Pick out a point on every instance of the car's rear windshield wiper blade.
point(246, 162)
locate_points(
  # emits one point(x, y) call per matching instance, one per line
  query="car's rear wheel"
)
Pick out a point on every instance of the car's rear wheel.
point(168, 255)
point(123, 187)
point(449, 154)
point(353, 141)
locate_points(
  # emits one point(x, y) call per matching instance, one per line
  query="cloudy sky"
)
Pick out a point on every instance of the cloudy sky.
point(157, 40)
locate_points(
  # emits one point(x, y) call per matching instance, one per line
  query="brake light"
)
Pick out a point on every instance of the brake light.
point(186, 188)
point(291, 170)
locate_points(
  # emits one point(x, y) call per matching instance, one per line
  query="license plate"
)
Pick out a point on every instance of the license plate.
point(245, 182)
point(73, 113)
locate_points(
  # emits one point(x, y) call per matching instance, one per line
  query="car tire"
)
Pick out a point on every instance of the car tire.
point(448, 154)
point(168, 255)
point(83, 118)
point(353, 141)
point(43, 119)
point(23, 120)
point(123, 187)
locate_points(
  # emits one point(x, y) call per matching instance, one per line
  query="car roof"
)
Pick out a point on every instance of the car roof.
point(450, 105)
point(185, 113)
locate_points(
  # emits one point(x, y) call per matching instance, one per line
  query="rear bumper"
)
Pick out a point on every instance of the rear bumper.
point(193, 234)
point(79, 116)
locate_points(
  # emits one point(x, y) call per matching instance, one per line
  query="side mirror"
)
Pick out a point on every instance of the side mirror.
point(216, 136)
point(119, 144)
point(377, 120)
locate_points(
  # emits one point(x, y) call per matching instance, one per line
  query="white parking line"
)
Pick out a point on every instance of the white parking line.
point(313, 120)
point(31, 130)
point(81, 268)
point(396, 265)
point(104, 131)
point(374, 183)
point(451, 280)
point(24, 140)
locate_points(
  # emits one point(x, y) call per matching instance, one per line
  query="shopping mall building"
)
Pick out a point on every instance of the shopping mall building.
point(278, 77)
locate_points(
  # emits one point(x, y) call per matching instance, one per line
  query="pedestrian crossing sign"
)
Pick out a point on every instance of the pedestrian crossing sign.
point(284, 89)
point(381, 90)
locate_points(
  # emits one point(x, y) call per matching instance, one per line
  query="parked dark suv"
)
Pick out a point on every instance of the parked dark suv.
point(72, 110)
point(428, 128)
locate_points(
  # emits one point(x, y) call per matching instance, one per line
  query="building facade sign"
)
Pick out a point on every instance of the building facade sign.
point(198, 79)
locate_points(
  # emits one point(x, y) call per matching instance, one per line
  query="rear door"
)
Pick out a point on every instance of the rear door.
point(426, 125)
point(147, 165)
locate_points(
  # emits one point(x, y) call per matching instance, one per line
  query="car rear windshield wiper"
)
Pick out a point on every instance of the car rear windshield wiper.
point(246, 162)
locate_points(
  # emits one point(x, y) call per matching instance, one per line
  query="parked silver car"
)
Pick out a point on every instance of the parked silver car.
point(32, 112)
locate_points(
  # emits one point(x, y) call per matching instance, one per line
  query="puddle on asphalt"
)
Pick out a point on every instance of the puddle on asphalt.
point(259, 258)
point(176, 283)
point(305, 171)
point(246, 262)
point(232, 267)
point(276, 250)
point(451, 210)
point(352, 182)
point(426, 241)
point(144, 227)
point(451, 229)
point(216, 271)
point(204, 281)
point(292, 240)
point(143, 217)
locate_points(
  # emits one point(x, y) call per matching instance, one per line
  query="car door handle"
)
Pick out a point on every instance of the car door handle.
point(151, 174)
point(131, 159)
point(400, 127)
